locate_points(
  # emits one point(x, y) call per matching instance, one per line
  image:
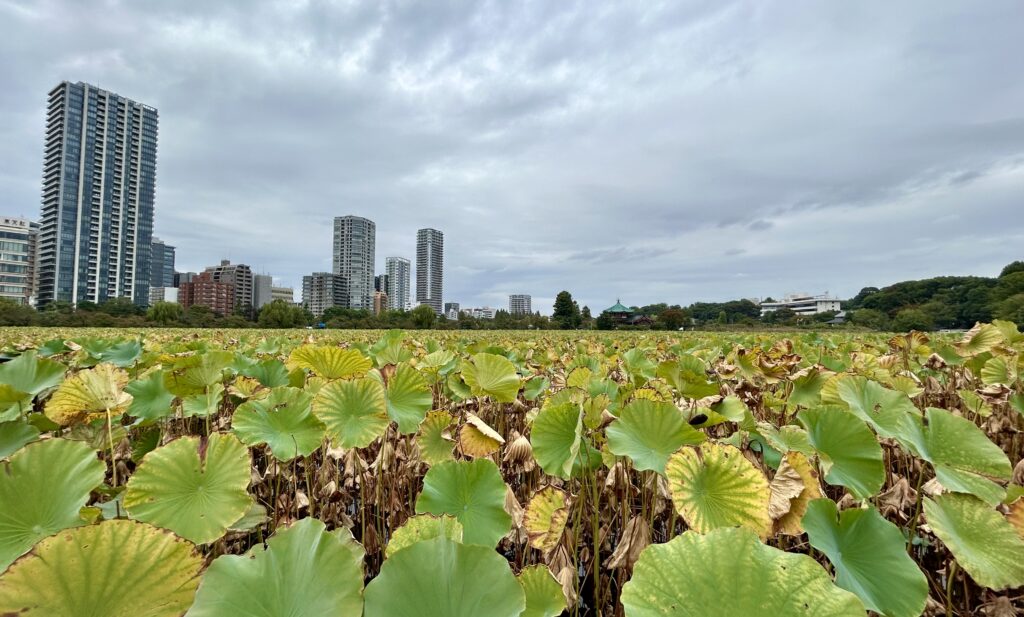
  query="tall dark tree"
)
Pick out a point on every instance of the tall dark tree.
point(567, 313)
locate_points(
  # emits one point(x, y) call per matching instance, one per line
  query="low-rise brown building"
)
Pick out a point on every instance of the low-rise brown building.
point(203, 290)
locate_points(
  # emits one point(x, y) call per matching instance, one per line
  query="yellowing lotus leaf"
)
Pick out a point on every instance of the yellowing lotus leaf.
point(799, 473)
point(544, 596)
point(89, 394)
point(423, 527)
point(435, 437)
point(714, 486)
point(545, 518)
point(117, 568)
point(330, 362)
point(477, 439)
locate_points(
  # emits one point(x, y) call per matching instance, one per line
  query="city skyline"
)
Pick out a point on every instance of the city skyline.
point(784, 148)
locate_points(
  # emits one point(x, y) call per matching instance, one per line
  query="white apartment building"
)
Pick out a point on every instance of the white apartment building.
point(484, 312)
point(803, 304)
point(398, 272)
point(18, 259)
point(519, 304)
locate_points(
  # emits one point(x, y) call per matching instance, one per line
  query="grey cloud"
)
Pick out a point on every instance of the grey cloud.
point(673, 152)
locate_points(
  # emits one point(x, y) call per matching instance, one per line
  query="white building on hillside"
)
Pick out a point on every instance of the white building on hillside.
point(803, 304)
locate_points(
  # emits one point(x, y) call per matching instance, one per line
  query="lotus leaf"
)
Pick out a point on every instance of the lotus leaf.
point(284, 421)
point(114, 569)
point(491, 375)
point(195, 489)
point(849, 453)
point(471, 491)
point(648, 432)
point(354, 411)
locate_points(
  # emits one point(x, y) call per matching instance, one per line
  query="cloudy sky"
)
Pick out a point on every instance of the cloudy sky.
point(653, 151)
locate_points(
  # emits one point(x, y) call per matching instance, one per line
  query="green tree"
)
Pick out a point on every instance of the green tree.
point(15, 314)
point(780, 317)
point(200, 316)
point(165, 313)
point(870, 318)
point(912, 319)
point(1012, 309)
point(673, 318)
point(566, 314)
point(1017, 266)
point(121, 307)
point(281, 314)
point(423, 317)
point(604, 321)
point(586, 319)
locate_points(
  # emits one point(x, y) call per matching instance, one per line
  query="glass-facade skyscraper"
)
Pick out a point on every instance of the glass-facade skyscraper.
point(99, 181)
point(162, 264)
point(355, 246)
point(430, 268)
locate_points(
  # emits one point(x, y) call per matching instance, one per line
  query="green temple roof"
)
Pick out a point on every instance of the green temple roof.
point(618, 308)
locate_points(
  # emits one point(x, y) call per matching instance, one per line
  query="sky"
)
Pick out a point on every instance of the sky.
point(649, 151)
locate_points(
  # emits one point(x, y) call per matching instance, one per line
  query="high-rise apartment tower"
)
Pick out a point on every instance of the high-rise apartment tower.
point(354, 249)
point(399, 272)
point(430, 268)
point(99, 181)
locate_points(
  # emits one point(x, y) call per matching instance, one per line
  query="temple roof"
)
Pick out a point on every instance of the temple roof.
point(618, 308)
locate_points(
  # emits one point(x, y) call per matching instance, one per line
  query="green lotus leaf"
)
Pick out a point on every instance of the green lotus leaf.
point(271, 373)
point(284, 421)
point(304, 571)
point(255, 516)
point(807, 388)
point(471, 491)
point(492, 375)
point(196, 490)
point(42, 488)
point(964, 459)
point(786, 438)
point(409, 398)
point(330, 362)
point(890, 412)
point(979, 339)
point(31, 374)
point(114, 569)
point(535, 387)
point(983, 542)
point(205, 404)
point(423, 527)
point(714, 486)
point(89, 394)
point(14, 435)
point(544, 597)
point(684, 578)
point(998, 371)
point(441, 578)
point(14, 403)
point(870, 558)
point(195, 374)
point(150, 398)
point(849, 453)
point(648, 432)
point(390, 349)
point(435, 439)
point(688, 375)
point(354, 411)
point(556, 438)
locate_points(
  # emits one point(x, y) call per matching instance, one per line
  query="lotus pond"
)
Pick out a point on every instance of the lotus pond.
point(443, 474)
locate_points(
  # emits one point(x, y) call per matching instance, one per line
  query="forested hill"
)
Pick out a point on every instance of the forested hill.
point(945, 301)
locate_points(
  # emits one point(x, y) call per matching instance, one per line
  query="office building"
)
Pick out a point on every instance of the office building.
point(285, 294)
point(380, 302)
point(399, 273)
point(803, 304)
point(262, 290)
point(241, 279)
point(380, 282)
point(519, 304)
point(451, 310)
point(324, 290)
point(354, 250)
point(18, 259)
point(430, 268)
point(161, 264)
point(99, 181)
point(163, 294)
point(205, 290)
point(183, 277)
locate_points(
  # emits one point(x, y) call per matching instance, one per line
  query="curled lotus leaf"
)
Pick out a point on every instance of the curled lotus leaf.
point(545, 518)
point(477, 438)
point(409, 398)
